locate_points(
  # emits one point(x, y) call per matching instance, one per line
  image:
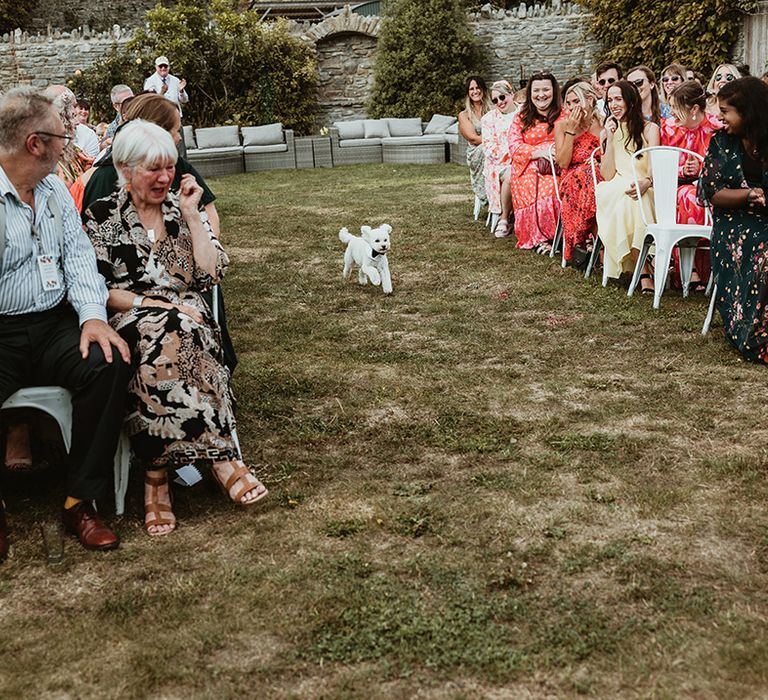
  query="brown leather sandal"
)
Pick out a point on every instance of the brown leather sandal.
point(156, 514)
point(242, 474)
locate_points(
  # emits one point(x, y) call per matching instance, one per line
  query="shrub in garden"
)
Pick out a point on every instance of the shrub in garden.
point(424, 54)
point(696, 33)
point(239, 70)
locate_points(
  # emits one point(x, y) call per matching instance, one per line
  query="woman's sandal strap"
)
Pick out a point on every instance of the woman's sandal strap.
point(240, 473)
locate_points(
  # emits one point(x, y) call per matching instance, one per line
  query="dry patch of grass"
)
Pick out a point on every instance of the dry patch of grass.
point(501, 481)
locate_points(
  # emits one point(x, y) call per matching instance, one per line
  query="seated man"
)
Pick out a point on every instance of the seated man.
point(53, 328)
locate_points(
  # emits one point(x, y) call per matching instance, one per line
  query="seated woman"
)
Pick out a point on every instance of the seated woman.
point(673, 76)
point(722, 75)
point(734, 180)
point(690, 128)
point(476, 104)
point(619, 223)
point(495, 125)
point(156, 253)
point(530, 138)
point(576, 137)
point(644, 79)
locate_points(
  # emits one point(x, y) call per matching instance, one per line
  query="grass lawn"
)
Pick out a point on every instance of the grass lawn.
point(502, 481)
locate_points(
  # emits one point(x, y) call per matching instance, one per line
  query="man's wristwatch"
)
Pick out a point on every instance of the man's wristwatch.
point(138, 300)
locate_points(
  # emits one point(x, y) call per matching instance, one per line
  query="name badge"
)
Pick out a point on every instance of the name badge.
point(49, 272)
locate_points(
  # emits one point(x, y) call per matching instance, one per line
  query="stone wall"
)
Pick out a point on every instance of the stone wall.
point(71, 14)
point(532, 38)
point(52, 58)
point(345, 75)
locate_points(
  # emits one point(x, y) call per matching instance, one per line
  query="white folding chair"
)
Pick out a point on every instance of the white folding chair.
point(597, 244)
point(557, 241)
point(57, 403)
point(666, 233)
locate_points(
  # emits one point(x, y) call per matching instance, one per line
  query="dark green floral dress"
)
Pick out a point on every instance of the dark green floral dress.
point(739, 248)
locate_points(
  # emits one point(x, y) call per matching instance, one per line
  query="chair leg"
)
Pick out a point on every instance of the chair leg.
point(687, 255)
point(596, 245)
point(641, 260)
point(711, 311)
point(494, 221)
point(710, 284)
point(122, 467)
point(488, 218)
point(660, 272)
point(477, 208)
point(557, 240)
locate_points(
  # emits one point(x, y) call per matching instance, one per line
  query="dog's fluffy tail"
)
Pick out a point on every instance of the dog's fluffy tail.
point(345, 236)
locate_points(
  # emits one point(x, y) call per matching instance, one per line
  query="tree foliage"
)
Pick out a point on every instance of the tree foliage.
point(696, 33)
point(15, 14)
point(424, 54)
point(239, 70)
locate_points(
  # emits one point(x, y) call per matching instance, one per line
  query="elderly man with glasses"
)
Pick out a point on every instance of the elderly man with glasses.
point(53, 320)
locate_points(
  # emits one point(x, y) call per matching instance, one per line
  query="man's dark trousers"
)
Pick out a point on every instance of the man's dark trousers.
point(42, 349)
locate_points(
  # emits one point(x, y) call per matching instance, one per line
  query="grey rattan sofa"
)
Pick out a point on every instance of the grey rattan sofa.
point(268, 147)
point(216, 151)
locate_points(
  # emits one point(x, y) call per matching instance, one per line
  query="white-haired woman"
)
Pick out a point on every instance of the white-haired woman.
point(495, 129)
point(156, 254)
point(576, 137)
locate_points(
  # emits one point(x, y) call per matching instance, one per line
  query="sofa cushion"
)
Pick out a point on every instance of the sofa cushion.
point(375, 128)
point(453, 128)
point(451, 138)
point(218, 136)
point(266, 135)
point(414, 140)
point(439, 124)
point(189, 137)
point(404, 127)
point(352, 129)
point(219, 151)
point(356, 143)
point(270, 148)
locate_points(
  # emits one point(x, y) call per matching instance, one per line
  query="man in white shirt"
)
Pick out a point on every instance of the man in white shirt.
point(163, 83)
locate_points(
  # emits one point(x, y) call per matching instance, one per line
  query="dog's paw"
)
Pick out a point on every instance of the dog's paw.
point(374, 276)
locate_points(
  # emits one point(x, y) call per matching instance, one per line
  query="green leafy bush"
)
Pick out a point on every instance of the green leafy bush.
point(424, 54)
point(696, 33)
point(239, 70)
point(15, 13)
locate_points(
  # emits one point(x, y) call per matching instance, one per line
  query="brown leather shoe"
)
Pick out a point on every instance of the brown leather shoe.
point(84, 522)
point(4, 545)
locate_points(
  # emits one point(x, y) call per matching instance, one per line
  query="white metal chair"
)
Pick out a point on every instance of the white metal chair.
point(597, 244)
point(557, 241)
point(57, 403)
point(666, 233)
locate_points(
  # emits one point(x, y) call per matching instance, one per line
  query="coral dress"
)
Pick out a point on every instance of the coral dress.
point(689, 211)
point(577, 193)
point(533, 195)
point(495, 127)
point(619, 223)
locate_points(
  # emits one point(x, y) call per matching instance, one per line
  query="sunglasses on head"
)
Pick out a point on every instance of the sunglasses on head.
point(671, 79)
point(500, 98)
point(606, 81)
point(727, 77)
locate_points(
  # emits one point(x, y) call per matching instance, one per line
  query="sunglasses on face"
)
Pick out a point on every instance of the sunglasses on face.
point(163, 65)
point(728, 77)
point(639, 82)
point(500, 98)
point(606, 81)
point(671, 79)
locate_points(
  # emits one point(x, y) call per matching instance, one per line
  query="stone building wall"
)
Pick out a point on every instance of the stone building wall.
point(345, 75)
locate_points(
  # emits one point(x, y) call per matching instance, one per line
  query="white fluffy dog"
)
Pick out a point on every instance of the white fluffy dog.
point(369, 253)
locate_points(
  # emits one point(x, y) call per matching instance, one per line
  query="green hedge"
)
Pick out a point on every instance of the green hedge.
point(424, 54)
point(697, 33)
point(239, 70)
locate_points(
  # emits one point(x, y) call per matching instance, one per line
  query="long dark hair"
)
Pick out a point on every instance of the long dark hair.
point(529, 115)
point(749, 97)
point(633, 117)
point(650, 76)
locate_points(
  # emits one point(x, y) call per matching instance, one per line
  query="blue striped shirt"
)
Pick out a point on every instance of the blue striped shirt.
point(21, 288)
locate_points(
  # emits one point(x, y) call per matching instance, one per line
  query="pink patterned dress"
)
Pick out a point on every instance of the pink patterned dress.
point(689, 211)
point(577, 192)
point(533, 195)
point(495, 127)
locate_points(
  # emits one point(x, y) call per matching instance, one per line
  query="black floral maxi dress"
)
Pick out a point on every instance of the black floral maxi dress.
point(739, 248)
point(180, 405)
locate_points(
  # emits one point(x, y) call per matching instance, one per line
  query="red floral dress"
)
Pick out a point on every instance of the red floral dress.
point(689, 211)
point(533, 195)
point(577, 194)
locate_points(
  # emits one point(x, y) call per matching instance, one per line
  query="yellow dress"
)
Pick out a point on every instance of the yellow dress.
point(619, 223)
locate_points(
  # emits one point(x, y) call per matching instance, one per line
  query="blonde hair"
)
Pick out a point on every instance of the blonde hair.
point(723, 66)
point(585, 93)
